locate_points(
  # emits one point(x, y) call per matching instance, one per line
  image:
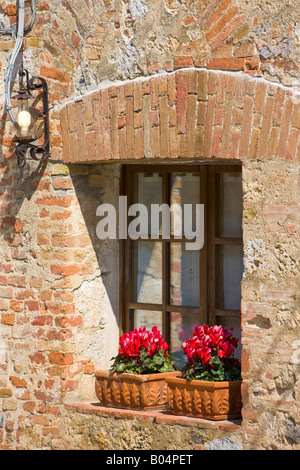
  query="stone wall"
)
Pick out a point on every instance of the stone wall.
point(97, 428)
point(214, 115)
point(59, 284)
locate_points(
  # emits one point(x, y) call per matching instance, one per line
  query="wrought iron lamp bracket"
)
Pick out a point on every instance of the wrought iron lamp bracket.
point(37, 152)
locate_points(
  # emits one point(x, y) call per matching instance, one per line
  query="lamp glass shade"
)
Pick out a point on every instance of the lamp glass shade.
point(24, 118)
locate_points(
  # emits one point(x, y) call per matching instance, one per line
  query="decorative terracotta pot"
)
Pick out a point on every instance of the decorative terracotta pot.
point(140, 392)
point(202, 399)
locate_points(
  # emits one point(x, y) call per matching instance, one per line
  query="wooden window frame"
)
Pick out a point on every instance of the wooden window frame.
point(208, 313)
point(215, 241)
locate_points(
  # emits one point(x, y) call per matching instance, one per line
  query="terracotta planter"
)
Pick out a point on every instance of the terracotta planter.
point(210, 400)
point(140, 392)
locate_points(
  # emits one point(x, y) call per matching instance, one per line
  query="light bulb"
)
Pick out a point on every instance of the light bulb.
point(24, 121)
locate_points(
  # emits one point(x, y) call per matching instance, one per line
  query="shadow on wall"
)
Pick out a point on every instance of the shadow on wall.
point(16, 185)
point(97, 296)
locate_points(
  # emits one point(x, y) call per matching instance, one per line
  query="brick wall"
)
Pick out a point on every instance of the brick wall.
point(185, 114)
point(58, 298)
point(220, 80)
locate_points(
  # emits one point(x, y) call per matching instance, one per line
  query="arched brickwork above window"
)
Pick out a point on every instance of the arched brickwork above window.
point(186, 114)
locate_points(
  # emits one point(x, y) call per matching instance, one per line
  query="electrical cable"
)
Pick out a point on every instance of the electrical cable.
point(19, 42)
point(12, 31)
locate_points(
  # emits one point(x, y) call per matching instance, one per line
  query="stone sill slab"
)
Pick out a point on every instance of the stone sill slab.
point(159, 417)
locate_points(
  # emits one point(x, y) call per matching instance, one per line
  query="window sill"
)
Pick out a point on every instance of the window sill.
point(158, 417)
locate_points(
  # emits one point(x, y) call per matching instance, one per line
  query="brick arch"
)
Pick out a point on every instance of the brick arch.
point(190, 113)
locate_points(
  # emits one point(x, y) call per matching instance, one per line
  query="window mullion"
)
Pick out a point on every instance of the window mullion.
point(211, 273)
point(203, 252)
point(165, 264)
point(127, 257)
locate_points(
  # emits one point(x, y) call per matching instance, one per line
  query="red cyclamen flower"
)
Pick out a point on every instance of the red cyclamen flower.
point(208, 341)
point(133, 342)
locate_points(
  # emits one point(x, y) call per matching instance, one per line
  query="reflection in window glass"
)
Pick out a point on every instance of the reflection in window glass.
point(147, 191)
point(147, 319)
point(147, 272)
point(185, 189)
point(230, 205)
point(182, 327)
point(229, 276)
point(184, 276)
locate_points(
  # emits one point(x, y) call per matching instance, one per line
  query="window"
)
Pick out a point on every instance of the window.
point(164, 282)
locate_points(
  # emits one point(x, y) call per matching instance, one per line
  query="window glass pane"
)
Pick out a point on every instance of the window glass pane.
point(185, 189)
point(184, 275)
point(147, 319)
point(230, 205)
point(147, 190)
point(146, 272)
point(229, 276)
point(182, 327)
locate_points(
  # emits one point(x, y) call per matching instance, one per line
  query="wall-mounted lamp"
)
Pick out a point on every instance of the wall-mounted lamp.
point(27, 118)
point(28, 132)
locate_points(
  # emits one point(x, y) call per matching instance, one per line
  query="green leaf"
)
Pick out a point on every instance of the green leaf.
point(143, 355)
point(158, 360)
point(148, 362)
point(215, 360)
point(167, 367)
point(121, 368)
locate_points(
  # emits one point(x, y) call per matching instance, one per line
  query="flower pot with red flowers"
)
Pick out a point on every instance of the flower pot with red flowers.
point(136, 379)
point(209, 385)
